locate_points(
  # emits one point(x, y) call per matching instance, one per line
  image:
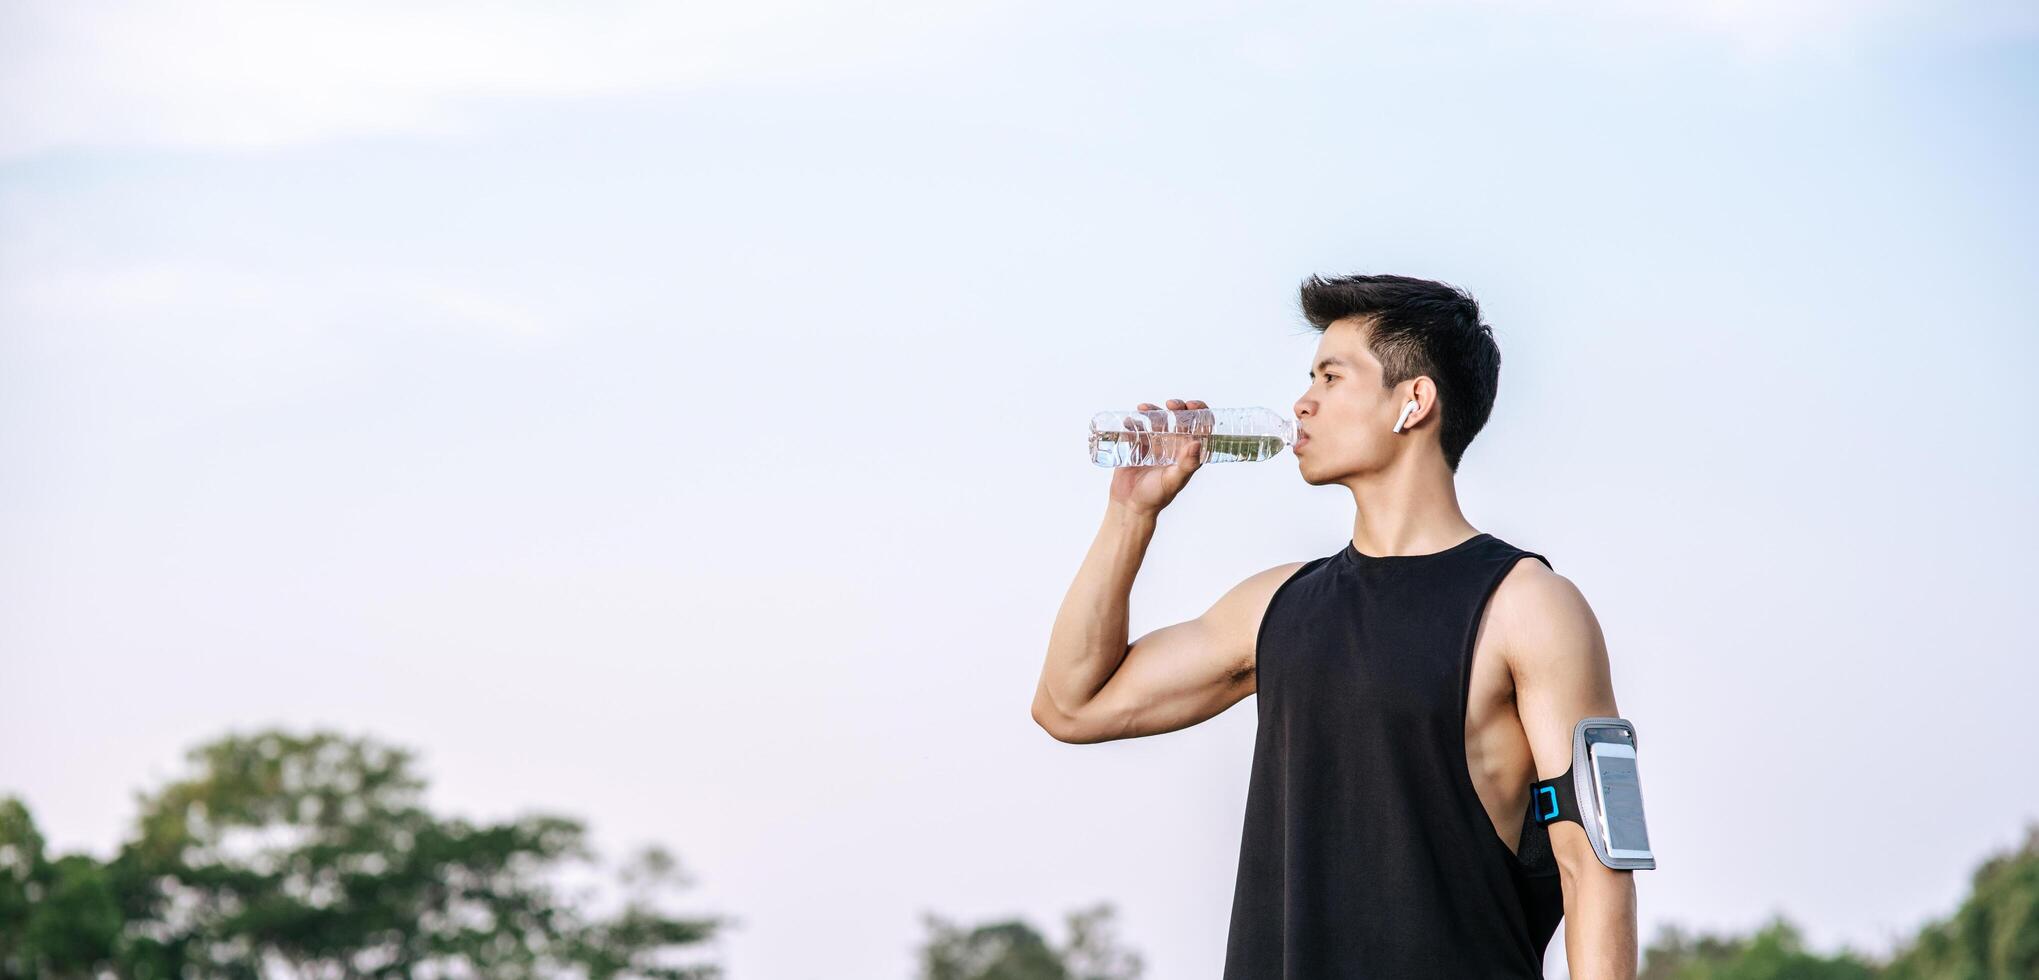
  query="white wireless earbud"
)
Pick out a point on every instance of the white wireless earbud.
point(1406, 409)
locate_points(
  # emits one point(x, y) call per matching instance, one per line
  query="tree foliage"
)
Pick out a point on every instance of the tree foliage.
point(1014, 950)
point(1994, 935)
point(1995, 932)
point(314, 856)
point(1774, 952)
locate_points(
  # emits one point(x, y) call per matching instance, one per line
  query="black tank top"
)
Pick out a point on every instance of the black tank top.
point(1366, 852)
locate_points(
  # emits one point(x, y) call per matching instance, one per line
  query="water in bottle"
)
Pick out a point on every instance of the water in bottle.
point(1158, 437)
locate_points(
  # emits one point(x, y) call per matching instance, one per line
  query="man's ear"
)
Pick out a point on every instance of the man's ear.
point(1424, 392)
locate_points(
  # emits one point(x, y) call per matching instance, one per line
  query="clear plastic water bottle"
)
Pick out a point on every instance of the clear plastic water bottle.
point(1158, 437)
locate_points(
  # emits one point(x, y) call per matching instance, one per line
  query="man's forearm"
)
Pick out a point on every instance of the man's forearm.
point(1089, 638)
point(1600, 940)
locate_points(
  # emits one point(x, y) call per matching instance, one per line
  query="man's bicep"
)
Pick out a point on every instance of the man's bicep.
point(1559, 660)
point(1233, 622)
point(1182, 674)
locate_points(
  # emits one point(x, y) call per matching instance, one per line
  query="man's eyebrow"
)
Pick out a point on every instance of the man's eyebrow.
point(1329, 360)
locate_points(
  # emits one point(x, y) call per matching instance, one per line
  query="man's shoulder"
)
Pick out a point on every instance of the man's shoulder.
point(1536, 609)
point(1257, 590)
point(1238, 613)
point(1248, 600)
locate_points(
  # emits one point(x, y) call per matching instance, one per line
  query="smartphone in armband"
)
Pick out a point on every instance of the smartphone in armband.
point(1620, 795)
point(1602, 793)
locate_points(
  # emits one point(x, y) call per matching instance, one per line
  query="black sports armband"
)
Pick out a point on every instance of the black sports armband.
point(1606, 800)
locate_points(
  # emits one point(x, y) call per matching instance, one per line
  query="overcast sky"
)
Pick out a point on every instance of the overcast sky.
point(671, 417)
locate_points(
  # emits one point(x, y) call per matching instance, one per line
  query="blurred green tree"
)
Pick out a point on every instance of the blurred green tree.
point(1994, 935)
point(59, 918)
point(1014, 950)
point(313, 856)
point(1774, 952)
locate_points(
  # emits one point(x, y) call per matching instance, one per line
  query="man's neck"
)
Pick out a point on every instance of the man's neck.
point(1411, 508)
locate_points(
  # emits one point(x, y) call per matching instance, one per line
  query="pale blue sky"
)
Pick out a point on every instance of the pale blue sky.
point(672, 419)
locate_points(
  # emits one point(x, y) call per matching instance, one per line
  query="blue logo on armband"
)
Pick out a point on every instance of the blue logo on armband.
point(1552, 793)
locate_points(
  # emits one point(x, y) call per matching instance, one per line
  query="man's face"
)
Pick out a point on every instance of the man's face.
point(1344, 417)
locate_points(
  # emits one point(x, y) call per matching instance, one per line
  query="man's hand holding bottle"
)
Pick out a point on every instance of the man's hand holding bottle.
point(1145, 490)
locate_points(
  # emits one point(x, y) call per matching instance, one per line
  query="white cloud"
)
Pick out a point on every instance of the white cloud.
point(484, 313)
point(250, 74)
point(237, 74)
point(127, 305)
point(1771, 27)
point(170, 341)
point(1777, 28)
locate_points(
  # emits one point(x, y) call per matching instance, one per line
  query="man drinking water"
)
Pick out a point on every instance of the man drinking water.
point(1411, 687)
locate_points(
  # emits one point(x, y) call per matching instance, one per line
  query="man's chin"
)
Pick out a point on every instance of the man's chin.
point(1316, 474)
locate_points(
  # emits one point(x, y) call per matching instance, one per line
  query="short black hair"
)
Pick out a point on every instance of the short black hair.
point(1420, 327)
